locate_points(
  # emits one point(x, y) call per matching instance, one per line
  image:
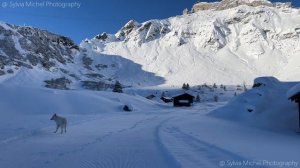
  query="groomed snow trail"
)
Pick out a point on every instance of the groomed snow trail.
point(119, 140)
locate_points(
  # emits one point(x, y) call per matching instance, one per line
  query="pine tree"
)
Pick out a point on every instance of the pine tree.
point(187, 86)
point(215, 86)
point(183, 86)
point(163, 94)
point(216, 98)
point(197, 98)
point(118, 87)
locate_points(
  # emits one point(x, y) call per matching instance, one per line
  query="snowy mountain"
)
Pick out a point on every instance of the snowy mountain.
point(30, 56)
point(228, 45)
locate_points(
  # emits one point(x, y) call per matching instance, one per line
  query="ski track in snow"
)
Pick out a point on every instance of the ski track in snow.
point(163, 149)
point(142, 141)
point(194, 152)
point(126, 159)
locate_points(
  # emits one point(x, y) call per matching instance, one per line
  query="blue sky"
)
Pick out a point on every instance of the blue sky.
point(92, 17)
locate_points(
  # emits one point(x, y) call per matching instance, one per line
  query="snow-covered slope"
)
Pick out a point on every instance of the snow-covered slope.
point(31, 56)
point(227, 46)
point(266, 105)
point(100, 134)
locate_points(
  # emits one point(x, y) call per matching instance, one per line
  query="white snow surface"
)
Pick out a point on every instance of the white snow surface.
point(265, 106)
point(100, 134)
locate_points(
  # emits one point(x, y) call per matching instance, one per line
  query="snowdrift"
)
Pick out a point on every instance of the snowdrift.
point(265, 105)
point(38, 101)
point(25, 110)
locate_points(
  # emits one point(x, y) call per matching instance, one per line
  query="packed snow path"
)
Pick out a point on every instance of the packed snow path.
point(160, 139)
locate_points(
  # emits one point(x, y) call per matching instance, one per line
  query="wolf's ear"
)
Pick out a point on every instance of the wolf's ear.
point(55, 114)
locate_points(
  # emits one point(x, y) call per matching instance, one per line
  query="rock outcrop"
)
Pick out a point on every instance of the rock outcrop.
point(227, 4)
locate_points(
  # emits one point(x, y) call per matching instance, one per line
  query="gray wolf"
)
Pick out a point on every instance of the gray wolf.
point(60, 122)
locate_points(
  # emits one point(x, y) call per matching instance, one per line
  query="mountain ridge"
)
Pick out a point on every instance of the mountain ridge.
point(227, 4)
point(257, 41)
point(228, 46)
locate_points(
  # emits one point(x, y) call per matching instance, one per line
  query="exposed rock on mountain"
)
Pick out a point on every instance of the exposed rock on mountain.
point(28, 47)
point(227, 4)
point(227, 42)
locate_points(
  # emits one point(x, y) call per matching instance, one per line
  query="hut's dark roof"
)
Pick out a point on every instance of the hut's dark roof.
point(294, 91)
point(296, 96)
point(150, 96)
point(183, 95)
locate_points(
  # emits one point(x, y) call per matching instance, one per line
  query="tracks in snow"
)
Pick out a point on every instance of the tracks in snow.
point(130, 141)
point(192, 152)
point(164, 151)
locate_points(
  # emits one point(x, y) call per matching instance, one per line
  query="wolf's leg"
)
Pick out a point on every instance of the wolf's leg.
point(65, 128)
point(57, 126)
point(61, 129)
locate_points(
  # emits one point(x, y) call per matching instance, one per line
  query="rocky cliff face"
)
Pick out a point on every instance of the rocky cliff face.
point(29, 47)
point(29, 55)
point(227, 4)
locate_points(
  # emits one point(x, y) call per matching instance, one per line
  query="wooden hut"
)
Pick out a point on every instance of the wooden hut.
point(183, 100)
point(294, 95)
point(166, 99)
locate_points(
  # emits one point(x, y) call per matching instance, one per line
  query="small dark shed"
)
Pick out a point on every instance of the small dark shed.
point(183, 100)
point(150, 97)
point(167, 99)
point(296, 99)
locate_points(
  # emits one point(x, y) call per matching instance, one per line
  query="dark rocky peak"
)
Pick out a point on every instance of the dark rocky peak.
point(127, 29)
point(102, 36)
